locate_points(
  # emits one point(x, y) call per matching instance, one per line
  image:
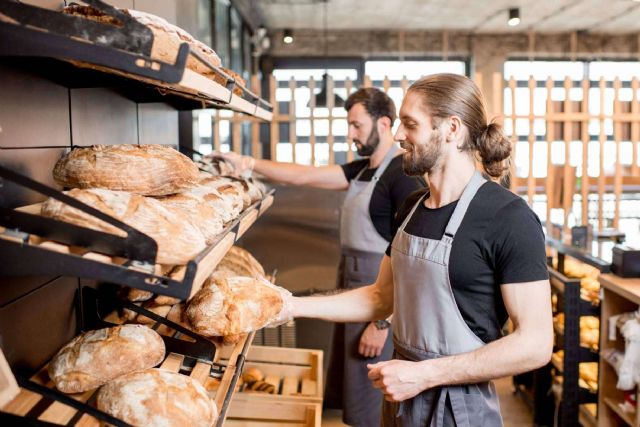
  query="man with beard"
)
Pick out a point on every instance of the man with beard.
point(468, 254)
point(376, 186)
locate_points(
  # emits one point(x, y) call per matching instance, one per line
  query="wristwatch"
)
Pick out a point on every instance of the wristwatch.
point(382, 324)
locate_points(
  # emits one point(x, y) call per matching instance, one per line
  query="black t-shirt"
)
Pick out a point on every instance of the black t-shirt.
point(392, 189)
point(500, 241)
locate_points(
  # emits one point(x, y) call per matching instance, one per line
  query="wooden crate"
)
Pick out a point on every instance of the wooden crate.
point(296, 374)
point(245, 411)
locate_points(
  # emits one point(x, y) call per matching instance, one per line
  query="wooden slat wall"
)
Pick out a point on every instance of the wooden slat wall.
point(565, 120)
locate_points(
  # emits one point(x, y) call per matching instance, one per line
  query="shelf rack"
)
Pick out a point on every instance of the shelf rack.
point(72, 51)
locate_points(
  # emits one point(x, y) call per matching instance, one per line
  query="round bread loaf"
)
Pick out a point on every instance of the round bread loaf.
point(252, 375)
point(234, 305)
point(240, 262)
point(149, 170)
point(156, 397)
point(96, 357)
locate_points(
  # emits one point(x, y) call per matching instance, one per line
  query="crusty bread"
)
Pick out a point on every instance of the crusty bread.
point(195, 208)
point(156, 397)
point(178, 240)
point(251, 375)
point(241, 263)
point(231, 306)
point(149, 170)
point(96, 357)
point(230, 189)
point(167, 38)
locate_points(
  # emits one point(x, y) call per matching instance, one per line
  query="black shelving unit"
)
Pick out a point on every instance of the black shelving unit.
point(573, 307)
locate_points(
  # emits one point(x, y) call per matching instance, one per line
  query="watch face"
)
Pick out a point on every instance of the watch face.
point(382, 324)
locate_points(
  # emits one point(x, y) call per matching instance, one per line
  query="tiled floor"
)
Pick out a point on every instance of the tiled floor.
point(515, 412)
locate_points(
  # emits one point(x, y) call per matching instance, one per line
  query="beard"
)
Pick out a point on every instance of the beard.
point(370, 146)
point(420, 159)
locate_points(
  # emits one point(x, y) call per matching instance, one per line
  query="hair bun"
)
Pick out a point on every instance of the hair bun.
point(494, 147)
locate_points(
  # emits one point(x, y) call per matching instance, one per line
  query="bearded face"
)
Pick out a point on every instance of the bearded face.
point(421, 157)
point(369, 147)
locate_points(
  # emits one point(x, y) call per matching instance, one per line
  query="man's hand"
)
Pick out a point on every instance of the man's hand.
point(372, 341)
point(286, 311)
point(242, 165)
point(398, 379)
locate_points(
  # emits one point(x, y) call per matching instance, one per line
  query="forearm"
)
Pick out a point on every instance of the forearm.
point(510, 355)
point(358, 305)
point(285, 173)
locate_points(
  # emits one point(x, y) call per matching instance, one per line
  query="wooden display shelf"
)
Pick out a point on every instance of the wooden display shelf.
point(613, 404)
point(28, 403)
point(295, 373)
point(204, 263)
point(627, 288)
point(619, 296)
point(245, 413)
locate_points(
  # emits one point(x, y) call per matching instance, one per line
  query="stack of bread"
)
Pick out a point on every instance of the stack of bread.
point(121, 360)
point(152, 188)
point(588, 275)
point(167, 39)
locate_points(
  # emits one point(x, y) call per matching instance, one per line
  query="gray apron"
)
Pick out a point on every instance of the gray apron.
point(427, 324)
point(362, 249)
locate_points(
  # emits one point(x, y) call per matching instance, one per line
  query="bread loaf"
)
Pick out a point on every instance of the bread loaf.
point(262, 386)
point(156, 397)
point(251, 375)
point(227, 206)
point(241, 263)
point(149, 170)
point(96, 357)
point(178, 240)
point(167, 38)
point(233, 306)
point(194, 207)
point(229, 189)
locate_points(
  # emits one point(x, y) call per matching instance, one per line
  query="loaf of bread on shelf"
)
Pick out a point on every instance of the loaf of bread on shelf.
point(148, 170)
point(262, 386)
point(97, 357)
point(216, 166)
point(195, 208)
point(178, 240)
point(167, 38)
point(229, 306)
point(251, 375)
point(240, 262)
point(156, 397)
point(229, 188)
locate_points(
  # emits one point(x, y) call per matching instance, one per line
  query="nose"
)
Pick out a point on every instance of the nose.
point(351, 133)
point(400, 135)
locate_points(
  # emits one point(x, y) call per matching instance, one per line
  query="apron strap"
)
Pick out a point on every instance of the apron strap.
point(463, 204)
point(382, 167)
point(413, 209)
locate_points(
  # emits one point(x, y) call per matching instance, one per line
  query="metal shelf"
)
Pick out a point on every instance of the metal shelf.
point(577, 253)
point(34, 245)
point(45, 41)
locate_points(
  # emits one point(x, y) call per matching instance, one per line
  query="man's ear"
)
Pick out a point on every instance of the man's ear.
point(384, 124)
point(454, 129)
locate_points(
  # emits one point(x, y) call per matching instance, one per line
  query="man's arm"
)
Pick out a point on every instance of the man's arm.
point(527, 348)
point(327, 177)
point(358, 305)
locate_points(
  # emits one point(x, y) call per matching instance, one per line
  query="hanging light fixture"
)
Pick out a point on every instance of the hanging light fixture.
point(514, 17)
point(321, 97)
point(287, 36)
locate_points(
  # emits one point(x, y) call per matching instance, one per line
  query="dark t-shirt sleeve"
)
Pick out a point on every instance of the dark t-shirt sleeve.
point(405, 208)
point(352, 169)
point(516, 245)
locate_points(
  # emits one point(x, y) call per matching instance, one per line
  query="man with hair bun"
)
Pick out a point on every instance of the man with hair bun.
point(467, 255)
point(376, 187)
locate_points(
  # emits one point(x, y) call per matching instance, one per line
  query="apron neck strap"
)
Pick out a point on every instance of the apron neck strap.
point(383, 166)
point(408, 217)
point(463, 204)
